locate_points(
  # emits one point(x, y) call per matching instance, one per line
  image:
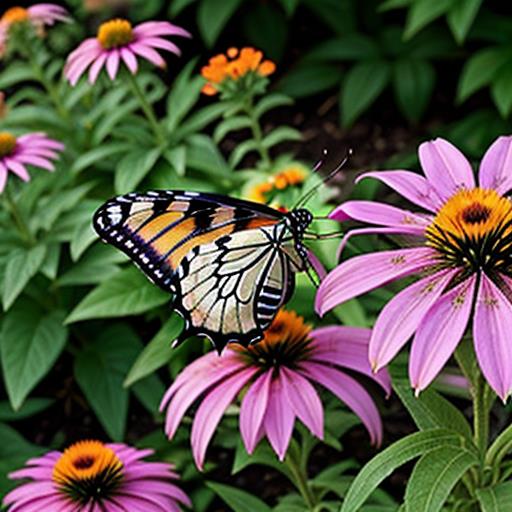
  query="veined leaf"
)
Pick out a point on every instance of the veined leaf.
point(495, 499)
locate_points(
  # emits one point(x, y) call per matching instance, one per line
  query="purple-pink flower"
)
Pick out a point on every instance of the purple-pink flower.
point(277, 376)
point(90, 476)
point(117, 41)
point(462, 255)
point(34, 149)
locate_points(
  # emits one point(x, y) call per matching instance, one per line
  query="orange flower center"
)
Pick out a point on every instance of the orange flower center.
point(87, 470)
point(14, 15)
point(115, 33)
point(7, 143)
point(474, 229)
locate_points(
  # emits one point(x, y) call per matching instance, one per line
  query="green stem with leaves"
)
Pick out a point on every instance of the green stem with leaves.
point(18, 218)
point(257, 134)
point(300, 479)
point(147, 109)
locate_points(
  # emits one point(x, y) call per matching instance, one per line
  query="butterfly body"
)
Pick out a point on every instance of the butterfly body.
point(230, 263)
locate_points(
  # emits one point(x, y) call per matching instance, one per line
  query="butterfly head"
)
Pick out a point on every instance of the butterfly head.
point(299, 219)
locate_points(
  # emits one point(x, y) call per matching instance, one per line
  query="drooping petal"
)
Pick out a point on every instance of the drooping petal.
point(492, 330)
point(361, 274)
point(3, 176)
point(129, 59)
point(279, 418)
point(348, 391)
point(211, 410)
point(36, 161)
point(158, 42)
point(113, 63)
point(160, 28)
point(316, 264)
point(252, 410)
point(400, 317)
point(445, 167)
point(439, 333)
point(410, 185)
point(96, 67)
point(17, 168)
point(496, 166)
point(304, 400)
point(147, 53)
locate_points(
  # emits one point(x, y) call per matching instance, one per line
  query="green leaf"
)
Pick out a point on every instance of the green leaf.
point(351, 47)
point(289, 6)
point(271, 101)
point(212, 17)
point(495, 499)
point(309, 79)
point(501, 90)
point(281, 134)
point(239, 501)
point(17, 72)
point(30, 342)
point(501, 447)
point(99, 154)
point(431, 410)
point(230, 125)
point(200, 119)
point(50, 265)
point(176, 6)
point(435, 475)
point(363, 84)
point(22, 265)
point(31, 407)
point(205, 156)
point(83, 237)
point(480, 70)
point(383, 464)
point(134, 167)
point(157, 352)
point(422, 12)
point(149, 392)
point(100, 370)
point(413, 82)
point(128, 293)
point(461, 16)
point(177, 157)
point(241, 150)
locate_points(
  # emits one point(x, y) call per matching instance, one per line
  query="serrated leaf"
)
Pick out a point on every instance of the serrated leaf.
point(134, 167)
point(400, 452)
point(30, 342)
point(501, 91)
point(435, 475)
point(422, 12)
point(281, 134)
point(212, 17)
point(363, 84)
point(157, 352)
point(495, 499)
point(238, 500)
point(461, 16)
point(230, 125)
point(22, 265)
point(413, 82)
point(129, 292)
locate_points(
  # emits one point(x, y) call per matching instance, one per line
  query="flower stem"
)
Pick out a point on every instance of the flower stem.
point(300, 480)
point(147, 109)
point(480, 418)
point(257, 134)
point(18, 218)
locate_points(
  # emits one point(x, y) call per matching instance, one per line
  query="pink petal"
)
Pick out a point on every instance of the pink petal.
point(17, 168)
point(347, 347)
point(148, 53)
point(279, 418)
point(113, 63)
point(129, 59)
point(3, 177)
point(96, 67)
point(380, 214)
point(316, 264)
point(36, 161)
point(159, 28)
point(348, 391)
point(445, 167)
point(439, 333)
point(74, 71)
point(304, 400)
point(252, 410)
point(492, 329)
point(401, 316)
point(211, 410)
point(410, 185)
point(496, 166)
point(361, 274)
point(158, 42)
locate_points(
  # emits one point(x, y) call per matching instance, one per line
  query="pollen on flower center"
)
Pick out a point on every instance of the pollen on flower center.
point(474, 229)
point(88, 469)
point(115, 33)
point(14, 15)
point(7, 143)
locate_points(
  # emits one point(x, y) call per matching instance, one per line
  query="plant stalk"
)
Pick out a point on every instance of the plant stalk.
point(18, 218)
point(300, 481)
point(258, 135)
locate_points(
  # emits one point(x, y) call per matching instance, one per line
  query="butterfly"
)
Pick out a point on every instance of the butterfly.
point(229, 263)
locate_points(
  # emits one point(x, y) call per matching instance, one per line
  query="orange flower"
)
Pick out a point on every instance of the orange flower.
point(234, 65)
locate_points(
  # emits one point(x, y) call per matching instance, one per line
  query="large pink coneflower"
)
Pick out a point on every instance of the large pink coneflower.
point(35, 149)
point(278, 374)
point(117, 41)
point(463, 256)
point(91, 476)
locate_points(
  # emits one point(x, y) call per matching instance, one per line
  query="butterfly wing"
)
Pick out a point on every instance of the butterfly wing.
point(158, 228)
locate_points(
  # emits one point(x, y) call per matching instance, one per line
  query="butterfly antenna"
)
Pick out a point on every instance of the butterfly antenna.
point(307, 196)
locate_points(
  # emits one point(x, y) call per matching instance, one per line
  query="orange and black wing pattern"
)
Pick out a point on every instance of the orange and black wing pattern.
point(157, 229)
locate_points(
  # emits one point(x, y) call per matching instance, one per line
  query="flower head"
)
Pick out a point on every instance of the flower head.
point(34, 149)
point(37, 15)
point(90, 476)
point(226, 69)
point(118, 41)
point(277, 375)
point(463, 258)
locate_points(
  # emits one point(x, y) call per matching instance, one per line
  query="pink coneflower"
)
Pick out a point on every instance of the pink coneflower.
point(118, 41)
point(34, 149)
point(463, 259)
point(90, 476)
point(278, 373)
